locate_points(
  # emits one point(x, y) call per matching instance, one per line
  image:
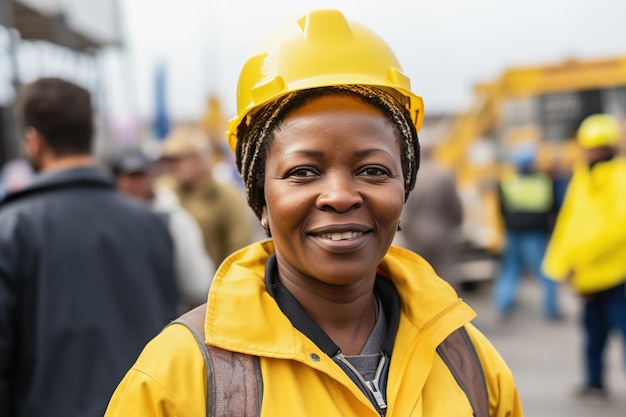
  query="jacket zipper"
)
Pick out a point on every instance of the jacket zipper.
point(371, 389)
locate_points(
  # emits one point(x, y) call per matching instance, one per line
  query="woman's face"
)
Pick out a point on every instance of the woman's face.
point(334, 190)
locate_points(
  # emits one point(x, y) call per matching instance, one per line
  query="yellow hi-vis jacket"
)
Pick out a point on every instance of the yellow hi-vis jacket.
point(169, 379)
point(589, 237)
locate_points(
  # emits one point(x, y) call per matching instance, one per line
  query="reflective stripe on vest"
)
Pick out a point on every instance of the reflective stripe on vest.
point(528, 193)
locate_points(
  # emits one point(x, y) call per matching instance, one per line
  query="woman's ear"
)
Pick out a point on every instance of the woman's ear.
point(265, 222)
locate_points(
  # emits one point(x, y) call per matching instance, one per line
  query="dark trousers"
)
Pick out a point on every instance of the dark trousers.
point(603, 312)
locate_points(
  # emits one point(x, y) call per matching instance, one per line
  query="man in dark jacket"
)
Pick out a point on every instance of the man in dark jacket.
point(86, 275)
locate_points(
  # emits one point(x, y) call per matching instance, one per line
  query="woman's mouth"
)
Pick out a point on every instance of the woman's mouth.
point(340, 235)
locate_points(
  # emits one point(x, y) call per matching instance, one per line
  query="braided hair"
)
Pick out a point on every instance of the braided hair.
point(256, 134)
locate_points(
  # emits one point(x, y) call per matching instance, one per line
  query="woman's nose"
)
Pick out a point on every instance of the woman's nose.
point(339, 193)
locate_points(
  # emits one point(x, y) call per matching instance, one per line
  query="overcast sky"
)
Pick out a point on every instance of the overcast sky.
point(444, 46)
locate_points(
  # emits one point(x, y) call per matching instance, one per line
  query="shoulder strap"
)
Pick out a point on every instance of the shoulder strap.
point(458, 352)
point(233, 379)
point(234, 384)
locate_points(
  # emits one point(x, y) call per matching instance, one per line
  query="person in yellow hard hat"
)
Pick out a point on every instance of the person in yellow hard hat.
point(588, 245)
point(337, 321)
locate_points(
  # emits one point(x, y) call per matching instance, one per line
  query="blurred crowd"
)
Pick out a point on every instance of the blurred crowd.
point(125, 242)
point(190, 182)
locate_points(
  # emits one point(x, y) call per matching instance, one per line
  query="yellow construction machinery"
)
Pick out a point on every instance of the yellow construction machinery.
point(541, 104)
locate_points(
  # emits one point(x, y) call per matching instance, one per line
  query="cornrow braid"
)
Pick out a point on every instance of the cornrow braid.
point(256, 133)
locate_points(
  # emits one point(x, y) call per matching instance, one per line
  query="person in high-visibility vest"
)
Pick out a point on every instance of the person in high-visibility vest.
point(528, 208)
point(588, 246)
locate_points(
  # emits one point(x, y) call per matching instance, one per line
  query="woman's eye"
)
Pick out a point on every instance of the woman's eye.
point(301, 172)
point(373, 171)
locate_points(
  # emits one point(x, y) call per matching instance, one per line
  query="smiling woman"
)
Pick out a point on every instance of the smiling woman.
point(336, 320)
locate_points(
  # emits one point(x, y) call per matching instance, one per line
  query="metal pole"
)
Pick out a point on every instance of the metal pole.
point(9, 144)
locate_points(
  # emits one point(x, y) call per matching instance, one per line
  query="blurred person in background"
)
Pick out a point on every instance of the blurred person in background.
point(433, 215)
point(528, 206)
point(86, 275)
point(588, 246)
point(219, 208)
point(15, 175)
point(561, 174)
point(327, 318)
point(134, 174)
point(222, 162)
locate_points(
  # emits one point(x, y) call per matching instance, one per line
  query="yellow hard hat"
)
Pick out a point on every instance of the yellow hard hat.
point(319, 49)
point(598, 130)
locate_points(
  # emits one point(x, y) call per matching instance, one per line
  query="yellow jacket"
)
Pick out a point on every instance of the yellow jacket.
point(589, 237)
point(169, 379)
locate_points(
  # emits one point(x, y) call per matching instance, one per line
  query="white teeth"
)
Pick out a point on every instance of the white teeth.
point(341, 236)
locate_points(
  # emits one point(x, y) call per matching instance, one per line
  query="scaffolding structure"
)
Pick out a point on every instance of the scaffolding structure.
point(44, 31)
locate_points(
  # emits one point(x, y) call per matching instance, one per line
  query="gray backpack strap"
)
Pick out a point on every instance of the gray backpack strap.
point(458, 352)
point(233, 379)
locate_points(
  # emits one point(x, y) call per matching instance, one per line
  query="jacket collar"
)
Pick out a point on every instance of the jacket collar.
point(304, 323)
point(601, 173)
point(608, 157)
point(242, 315)
point(63, 178)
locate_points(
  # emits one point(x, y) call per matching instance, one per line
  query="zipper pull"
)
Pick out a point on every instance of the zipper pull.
point(377, 394)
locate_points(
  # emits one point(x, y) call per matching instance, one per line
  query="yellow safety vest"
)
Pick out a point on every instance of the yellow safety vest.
point(528, 193)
